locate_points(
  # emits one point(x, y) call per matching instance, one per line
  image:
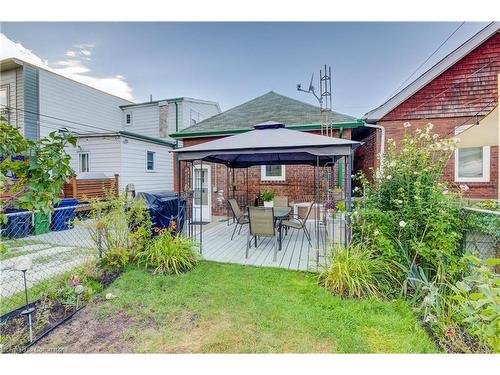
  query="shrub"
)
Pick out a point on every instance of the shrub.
point(478, 298)
point(356, 271)
point(169, 254)
point(416, 208)
point(120, 228)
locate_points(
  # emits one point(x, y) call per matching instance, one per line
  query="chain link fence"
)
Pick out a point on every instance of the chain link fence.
point(482, 232)
point(55, 243)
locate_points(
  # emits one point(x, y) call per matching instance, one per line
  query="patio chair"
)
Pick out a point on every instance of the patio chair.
point(280, 201)
point(241, 218)
point(300, 223)
point(261, 225)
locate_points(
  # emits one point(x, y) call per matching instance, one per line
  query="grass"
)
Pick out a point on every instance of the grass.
point(226, 308)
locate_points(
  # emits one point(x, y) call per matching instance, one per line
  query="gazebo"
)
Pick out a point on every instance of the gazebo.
point(270, 143)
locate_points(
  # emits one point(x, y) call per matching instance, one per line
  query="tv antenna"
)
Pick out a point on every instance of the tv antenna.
point(324, 99)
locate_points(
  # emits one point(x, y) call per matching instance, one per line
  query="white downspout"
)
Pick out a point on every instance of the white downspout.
point(382, 145)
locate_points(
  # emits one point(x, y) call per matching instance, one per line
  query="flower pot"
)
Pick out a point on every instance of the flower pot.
point(269, 204)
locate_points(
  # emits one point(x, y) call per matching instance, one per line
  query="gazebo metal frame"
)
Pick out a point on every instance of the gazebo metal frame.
point(277, 146)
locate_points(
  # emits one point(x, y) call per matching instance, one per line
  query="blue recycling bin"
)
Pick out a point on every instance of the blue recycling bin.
point(64, 214)
point(18, 223)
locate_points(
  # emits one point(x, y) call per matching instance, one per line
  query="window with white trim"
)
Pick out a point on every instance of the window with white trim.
point(272, 173)
point(84, 162)
point(150, 161)
point(4, 102)
point(472, 164)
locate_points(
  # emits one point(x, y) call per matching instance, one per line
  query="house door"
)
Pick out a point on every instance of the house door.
point(202, 202)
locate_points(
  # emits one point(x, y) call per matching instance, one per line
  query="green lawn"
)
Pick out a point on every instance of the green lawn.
point(232, 308)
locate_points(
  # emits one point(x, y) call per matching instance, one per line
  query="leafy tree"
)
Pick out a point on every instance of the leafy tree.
point(32, 173)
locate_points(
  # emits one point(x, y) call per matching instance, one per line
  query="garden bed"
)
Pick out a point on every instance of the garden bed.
point(48, 314)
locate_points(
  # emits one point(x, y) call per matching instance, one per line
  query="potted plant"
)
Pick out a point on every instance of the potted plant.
point(267, 197)
point(336, 193)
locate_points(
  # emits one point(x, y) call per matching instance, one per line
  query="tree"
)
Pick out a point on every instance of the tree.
point(32, 173)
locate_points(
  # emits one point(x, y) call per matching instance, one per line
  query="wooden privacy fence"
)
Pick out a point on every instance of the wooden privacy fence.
point(86, 189)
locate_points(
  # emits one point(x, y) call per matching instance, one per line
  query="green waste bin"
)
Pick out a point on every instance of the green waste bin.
point(41, 224)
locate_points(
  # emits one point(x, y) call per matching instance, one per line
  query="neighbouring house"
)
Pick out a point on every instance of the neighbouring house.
point(294, 181)
point(454, 95)
point(115, 136)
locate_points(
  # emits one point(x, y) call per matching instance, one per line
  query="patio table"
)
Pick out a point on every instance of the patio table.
point(281, 213)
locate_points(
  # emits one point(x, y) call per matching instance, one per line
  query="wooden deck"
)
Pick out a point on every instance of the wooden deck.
point(296, 253)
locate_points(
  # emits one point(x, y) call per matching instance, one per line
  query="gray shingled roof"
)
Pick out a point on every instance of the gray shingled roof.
point(268, 107)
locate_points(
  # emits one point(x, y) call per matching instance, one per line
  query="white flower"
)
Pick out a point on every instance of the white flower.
point(399, 201)
point(402, 224)
point(430, 126)
point(415, 172)
point(435, 136)
point(392, 164)
point(376, 232)
point(406, 124)
point(418, 131)
point(389, 177)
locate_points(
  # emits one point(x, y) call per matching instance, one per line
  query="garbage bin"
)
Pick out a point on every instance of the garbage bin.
point(41, 223)
point(163, 207)
point(18, 223)
point(64, 214)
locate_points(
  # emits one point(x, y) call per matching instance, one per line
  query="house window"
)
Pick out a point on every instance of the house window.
point(272, 173)
point(472, 164)
point(4, 102)
point(150, 161)
point(128, 119)
point(84, 162)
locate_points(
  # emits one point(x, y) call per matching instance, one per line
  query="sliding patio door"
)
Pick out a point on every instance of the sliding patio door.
point(202, 200)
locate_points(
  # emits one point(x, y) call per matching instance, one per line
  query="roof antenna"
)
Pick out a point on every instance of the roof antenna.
point(150, 98)
point(324, 98)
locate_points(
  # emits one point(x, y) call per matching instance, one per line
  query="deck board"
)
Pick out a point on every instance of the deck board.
point(296, 253)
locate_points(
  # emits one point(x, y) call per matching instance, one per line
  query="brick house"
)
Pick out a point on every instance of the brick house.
point(457, 92)
point(294, 181)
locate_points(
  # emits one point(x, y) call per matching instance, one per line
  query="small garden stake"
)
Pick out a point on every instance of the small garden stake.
point(23, 265)
point(78, 290)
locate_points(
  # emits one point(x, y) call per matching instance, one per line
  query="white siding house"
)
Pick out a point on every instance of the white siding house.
point(132, 163)
point(82, 108)
point(115, 136)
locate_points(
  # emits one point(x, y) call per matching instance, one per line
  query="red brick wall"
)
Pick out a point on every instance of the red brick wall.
point(365, 156)
point(298, 185)
point(446, 127)
point(456, 97)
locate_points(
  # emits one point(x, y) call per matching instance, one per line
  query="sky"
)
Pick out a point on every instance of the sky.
point(231, 63)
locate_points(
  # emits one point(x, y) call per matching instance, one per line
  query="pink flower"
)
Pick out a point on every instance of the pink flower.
point(464, 187)
point(445, 192)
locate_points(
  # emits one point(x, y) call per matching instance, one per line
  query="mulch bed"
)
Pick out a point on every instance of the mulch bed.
point(48, 314)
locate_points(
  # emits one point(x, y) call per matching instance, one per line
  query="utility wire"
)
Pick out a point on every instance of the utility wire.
point(59, 119)
point(448, 88)
point(426, 60)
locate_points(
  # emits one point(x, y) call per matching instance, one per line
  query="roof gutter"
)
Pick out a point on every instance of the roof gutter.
point(382, 146)
point(300, 127)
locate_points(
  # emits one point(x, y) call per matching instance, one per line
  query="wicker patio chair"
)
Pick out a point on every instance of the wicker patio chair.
point(261, 225)
point(300, 223)
point(241, 218)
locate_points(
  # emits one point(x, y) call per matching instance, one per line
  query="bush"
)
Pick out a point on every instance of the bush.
point(478, 299)
point(169, 254)
point(356, 271)
point(120, 229)
point(418, 210)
